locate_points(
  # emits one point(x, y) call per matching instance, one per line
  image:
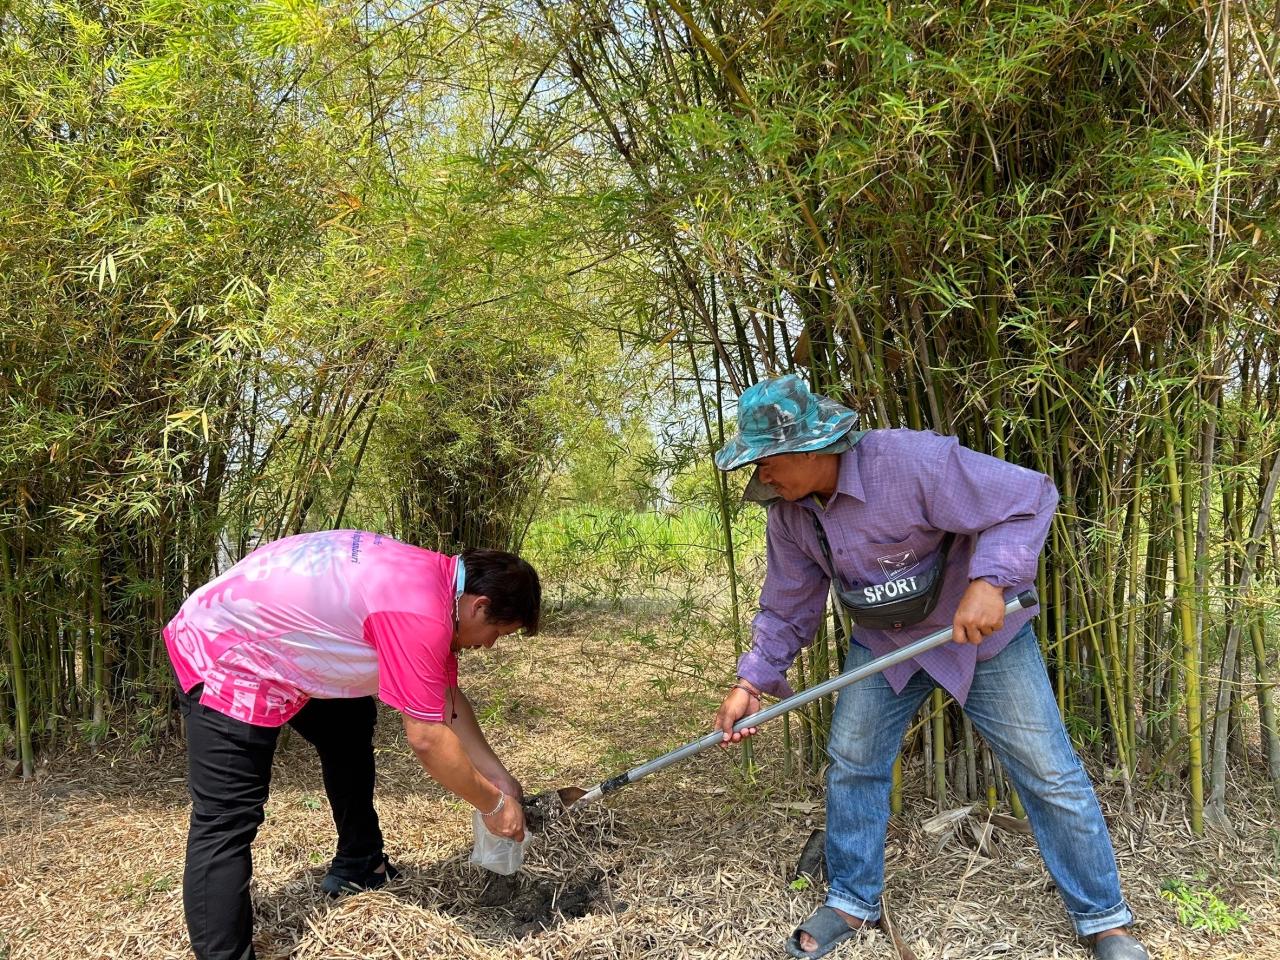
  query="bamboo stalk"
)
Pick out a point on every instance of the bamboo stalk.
point(1270, 731)
point(17, 668)
point(937, 706)
point(98, 650)
point(1185, 588)
point(1133, 683)
point(1218, 765)
point(970, 759)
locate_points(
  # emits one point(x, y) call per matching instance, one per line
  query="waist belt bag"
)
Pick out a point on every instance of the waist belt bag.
point(896, 604)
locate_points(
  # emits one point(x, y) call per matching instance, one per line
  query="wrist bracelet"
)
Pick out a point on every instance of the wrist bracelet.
point(502, 801)
point(746, 689)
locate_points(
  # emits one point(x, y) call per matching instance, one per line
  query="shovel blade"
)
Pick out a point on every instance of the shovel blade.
point(570, 795)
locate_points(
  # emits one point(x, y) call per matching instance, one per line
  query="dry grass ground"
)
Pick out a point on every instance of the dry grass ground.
point(696, 863)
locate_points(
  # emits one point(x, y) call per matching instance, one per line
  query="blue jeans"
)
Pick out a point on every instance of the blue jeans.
point(1012, 705)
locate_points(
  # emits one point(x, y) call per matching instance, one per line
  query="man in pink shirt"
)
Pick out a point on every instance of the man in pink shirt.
point(306, 631)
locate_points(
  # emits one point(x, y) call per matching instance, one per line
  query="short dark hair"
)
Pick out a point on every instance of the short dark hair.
point(511, 584)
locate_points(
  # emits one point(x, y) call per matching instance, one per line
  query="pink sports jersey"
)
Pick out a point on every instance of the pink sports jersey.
point(340, 613)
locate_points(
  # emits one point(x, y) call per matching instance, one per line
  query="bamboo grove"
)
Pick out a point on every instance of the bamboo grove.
point(1049, 229)
point(248, 289)
point(361, 252)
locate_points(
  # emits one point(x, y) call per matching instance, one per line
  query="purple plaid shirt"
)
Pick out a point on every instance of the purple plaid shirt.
point(898, 493)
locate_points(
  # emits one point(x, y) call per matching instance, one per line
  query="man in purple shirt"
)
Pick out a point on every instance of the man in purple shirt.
point(920, 533)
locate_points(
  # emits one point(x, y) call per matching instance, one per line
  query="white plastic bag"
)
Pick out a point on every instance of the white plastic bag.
point(499, 854)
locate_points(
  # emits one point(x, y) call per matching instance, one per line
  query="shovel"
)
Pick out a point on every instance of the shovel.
point(576, 796)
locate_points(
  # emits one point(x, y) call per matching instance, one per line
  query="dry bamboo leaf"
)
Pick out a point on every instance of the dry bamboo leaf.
point(945, 821)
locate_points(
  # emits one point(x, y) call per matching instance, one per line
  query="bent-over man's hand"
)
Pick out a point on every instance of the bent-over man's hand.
point(507, 822)
point(981, 612)
point(743, 700)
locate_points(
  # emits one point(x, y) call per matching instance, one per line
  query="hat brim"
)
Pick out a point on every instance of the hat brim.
point(835, 422)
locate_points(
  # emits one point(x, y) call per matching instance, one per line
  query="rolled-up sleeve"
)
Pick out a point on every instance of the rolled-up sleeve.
point(1007, 508)
point(792, 603)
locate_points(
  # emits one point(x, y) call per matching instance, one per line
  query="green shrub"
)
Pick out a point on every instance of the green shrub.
point(1200, 908)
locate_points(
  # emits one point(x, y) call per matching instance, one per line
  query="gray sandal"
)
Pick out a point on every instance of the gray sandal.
point(827, 927)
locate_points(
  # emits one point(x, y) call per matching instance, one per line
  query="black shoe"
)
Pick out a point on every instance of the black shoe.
point(354, 879)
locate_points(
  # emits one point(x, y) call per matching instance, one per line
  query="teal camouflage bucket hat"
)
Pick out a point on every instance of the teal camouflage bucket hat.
point(782, 416)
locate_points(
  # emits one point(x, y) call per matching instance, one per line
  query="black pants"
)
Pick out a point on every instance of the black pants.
point(229, 776)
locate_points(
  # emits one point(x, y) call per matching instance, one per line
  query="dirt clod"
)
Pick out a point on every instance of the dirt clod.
point(541, 810)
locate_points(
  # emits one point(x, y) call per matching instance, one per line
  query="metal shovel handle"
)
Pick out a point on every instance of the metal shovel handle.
point(1023, 600)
